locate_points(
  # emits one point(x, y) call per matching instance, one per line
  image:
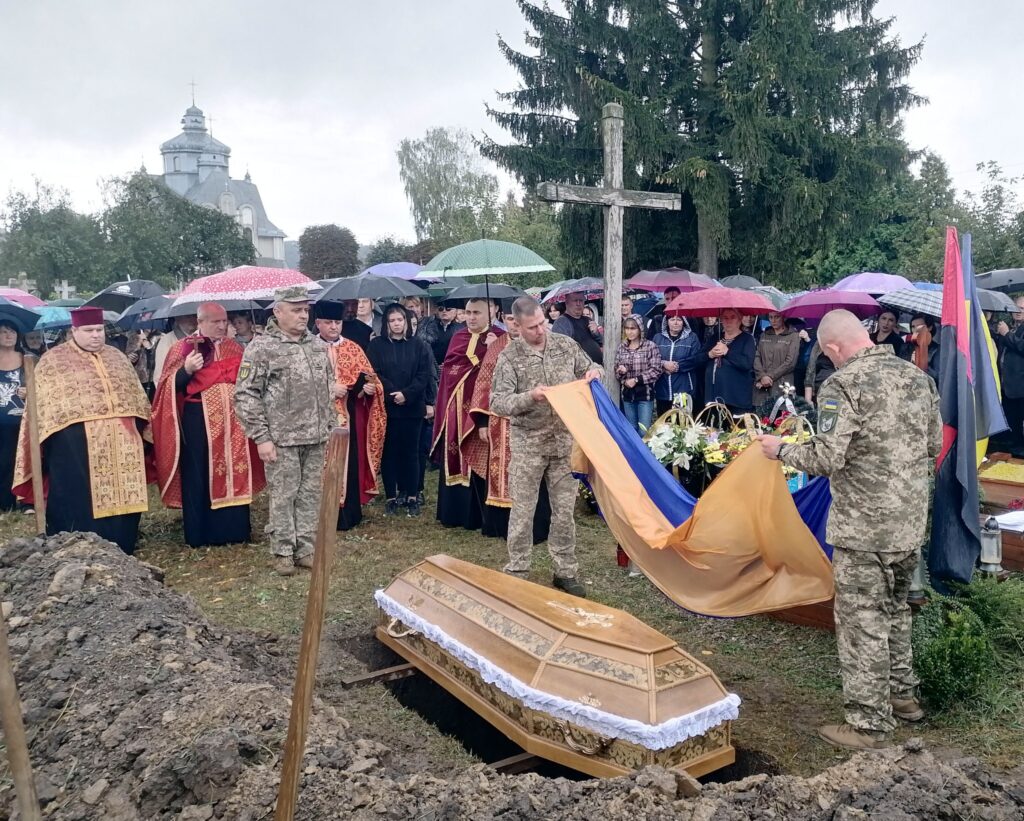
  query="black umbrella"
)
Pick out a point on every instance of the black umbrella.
point(483, 290)
point(190, 308)
point(367, 286)
point(140, 315)
point(23, 319)
point(1005, 279)
point(741, 281)
point(120, 295)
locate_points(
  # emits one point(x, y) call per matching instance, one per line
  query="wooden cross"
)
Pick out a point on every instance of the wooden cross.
point(614, 198)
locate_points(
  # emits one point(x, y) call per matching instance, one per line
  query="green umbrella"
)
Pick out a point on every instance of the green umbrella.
point(484, 257)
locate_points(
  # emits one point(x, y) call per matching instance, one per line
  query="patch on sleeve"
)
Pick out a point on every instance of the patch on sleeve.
point(244, 370)
point(828, 415)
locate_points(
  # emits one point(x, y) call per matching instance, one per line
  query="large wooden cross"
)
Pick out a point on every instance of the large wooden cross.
point(614, 198)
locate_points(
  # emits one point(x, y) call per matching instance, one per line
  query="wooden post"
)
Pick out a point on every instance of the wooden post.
point(611, 137)
point(316, 601)
point(34, 450)
point(14, 733)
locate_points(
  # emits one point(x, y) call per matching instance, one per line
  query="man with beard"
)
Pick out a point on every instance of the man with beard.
point(205, 464)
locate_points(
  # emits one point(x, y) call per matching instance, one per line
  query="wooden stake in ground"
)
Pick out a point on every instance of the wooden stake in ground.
point(34, 451)
point(14, 733)
point(614, 198)
point(316, 602)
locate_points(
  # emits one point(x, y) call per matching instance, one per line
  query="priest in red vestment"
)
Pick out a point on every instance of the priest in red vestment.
point(359, 399)
point(205, 464)
point(454, 426)
point(92, 416)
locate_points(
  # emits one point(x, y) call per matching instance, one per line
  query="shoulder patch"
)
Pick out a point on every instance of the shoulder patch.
point(244, 370)
point(829, 405)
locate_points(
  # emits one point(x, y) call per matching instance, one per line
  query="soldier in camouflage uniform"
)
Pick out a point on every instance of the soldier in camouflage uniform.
point(879, 432)
point(539, 440)
point(285, 403)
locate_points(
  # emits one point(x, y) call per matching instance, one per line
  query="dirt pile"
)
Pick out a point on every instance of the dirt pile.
point(138, 708)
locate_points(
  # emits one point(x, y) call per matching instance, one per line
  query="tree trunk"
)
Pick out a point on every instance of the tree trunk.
point(707, 245)
point(707, 249)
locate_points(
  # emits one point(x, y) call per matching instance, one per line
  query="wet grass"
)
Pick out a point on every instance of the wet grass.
point(787, 676)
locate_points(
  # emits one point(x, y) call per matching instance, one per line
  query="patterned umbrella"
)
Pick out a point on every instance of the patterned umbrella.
point(485, 257)
point(23, 298)
point(712, 301)
point(120, 295)
point(915, 301)
point(246, 282)
point(685, 281)
point(815, 304)
point(52, 317)
point(872, 283)
point(583, 285)
point(398, 270)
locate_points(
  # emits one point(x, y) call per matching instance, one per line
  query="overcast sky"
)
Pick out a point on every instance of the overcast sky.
point(314, 96)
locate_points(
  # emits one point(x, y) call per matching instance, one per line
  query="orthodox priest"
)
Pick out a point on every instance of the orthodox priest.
point(359, 401)
point(92, 414)
point(205, 464)
point(490, 452)
point(454, 427)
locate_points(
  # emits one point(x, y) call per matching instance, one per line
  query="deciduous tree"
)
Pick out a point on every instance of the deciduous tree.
point(327, 251)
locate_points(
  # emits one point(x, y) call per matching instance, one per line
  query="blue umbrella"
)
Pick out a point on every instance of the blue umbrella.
point(52, 317)
point(401, 270)
point(23, 319)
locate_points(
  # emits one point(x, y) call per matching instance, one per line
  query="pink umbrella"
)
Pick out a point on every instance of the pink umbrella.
point(712, 301)
point(685, 281)
point(246, 282)
point(869, 282)
point(815, 304)
point(23, 298)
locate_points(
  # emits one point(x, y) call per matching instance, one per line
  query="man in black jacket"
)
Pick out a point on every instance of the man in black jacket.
point(573, 324)
point(1010, 342)
point(437, 331)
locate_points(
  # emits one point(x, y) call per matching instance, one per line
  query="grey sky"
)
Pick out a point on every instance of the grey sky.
point(313, 97)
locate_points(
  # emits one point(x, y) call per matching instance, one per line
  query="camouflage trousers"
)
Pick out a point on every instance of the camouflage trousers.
point(873, 622)
point(526, 472)
point(295, 481)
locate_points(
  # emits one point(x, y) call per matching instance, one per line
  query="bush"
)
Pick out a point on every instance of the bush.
point(1000, 606)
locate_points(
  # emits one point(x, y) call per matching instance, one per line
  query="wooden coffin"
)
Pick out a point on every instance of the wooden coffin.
point(567, 679)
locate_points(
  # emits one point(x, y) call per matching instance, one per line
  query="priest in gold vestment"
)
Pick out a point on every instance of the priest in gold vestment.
point(92, 412)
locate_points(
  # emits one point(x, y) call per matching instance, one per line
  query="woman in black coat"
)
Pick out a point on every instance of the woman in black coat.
point(403, 364)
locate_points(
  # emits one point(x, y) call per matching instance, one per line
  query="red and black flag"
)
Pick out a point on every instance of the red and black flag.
point(971, 412)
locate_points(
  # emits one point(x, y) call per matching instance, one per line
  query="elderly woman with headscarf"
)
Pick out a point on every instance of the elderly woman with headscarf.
point(680, 359)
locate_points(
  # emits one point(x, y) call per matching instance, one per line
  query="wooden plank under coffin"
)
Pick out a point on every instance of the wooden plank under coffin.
point(567, 679)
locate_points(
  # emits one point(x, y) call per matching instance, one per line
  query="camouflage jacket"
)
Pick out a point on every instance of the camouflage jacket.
point(879, 432)
point(284, 390)
point(520, 369)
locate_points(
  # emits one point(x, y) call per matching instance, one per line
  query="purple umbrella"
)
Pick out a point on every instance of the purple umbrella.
point(587, 286)
point(685, 281)
point(815, 304)
point(399, 270)
point(873, 283)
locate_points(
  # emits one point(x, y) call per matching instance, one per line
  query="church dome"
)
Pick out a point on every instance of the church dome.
point(195, 138)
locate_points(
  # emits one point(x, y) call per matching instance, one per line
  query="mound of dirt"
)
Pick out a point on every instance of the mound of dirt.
point(138, 708)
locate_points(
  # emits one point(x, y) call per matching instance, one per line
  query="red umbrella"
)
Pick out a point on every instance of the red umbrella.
point(23, 298)
point(246, 282)
point(685, 281)
point(712, 301)
point(815, 304)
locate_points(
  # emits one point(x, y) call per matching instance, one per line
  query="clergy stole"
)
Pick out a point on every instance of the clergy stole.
point(102, 392)
point(490, 459)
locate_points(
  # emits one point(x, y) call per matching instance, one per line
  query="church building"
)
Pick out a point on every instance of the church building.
point(196, 168)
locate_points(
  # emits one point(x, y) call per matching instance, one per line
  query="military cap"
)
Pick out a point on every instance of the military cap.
point(293, 293)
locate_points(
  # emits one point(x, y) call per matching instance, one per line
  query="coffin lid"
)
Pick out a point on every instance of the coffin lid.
point(573, 658)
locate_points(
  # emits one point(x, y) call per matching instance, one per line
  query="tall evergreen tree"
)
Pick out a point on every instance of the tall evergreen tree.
point(776, 120)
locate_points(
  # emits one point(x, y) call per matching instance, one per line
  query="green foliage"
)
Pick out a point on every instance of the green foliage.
point(452, 197)
point(953, 655)
point(48, 241)
point(533, 224)
point(778, 121)
point(386, 249)
point(327, 251)
point(1000, 607)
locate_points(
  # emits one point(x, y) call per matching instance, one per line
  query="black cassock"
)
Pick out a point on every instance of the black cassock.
point(69, 500)
point(203, 525)
point(352, 513)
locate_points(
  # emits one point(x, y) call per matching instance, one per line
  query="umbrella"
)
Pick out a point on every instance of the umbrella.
point(72, 302)
point(141, 314)
point(176, 309)
point(914, 301)
point(482, 290)
point(741, 281)
point(400, 270)
point(774, 295)
point(23, 298)
point(246, 282)
point(585, 285)
point(816, 304)
point(120, 295)
point(52, 317)
point(1008, 279)
point(712, 301)
point(367, 286)
point(928, 286)
point(872, 283)
point(23, 319)
point(485, 257)
point(685, 281)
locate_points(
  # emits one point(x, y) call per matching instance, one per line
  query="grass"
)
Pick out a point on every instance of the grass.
point(787, 676)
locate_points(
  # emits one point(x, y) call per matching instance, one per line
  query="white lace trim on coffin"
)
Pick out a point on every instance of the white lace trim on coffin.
point(652, 736)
